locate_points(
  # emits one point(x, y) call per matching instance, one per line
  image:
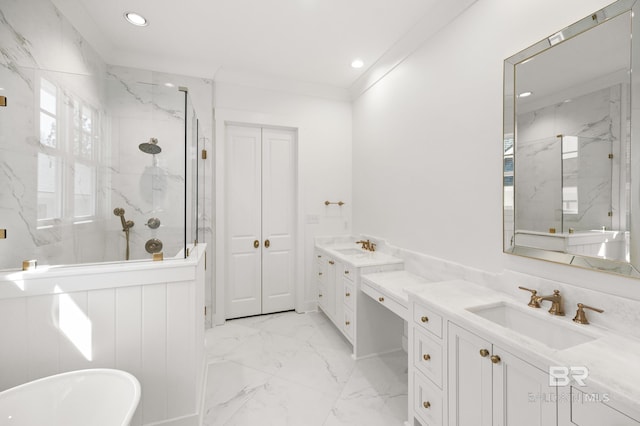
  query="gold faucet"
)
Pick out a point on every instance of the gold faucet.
point(581, 317)
point(367, 245)
point(556, 303)
point(533, 302)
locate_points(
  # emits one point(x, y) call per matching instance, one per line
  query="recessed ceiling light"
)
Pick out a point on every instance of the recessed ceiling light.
point(170, 85)
point(525, 94)
point(357, 63)
point(136, 19)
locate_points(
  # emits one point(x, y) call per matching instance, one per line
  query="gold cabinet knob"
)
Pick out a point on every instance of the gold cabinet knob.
point(426, 357)
point(319, 273)
point(424, 319)
point(256, 244)
point(346, 272)
point(426, 404)
point(484, 353)
point(267, 243)
point(320, 295)
point(381, 299)
point(319, 257)
point(347, 294)
point(347, 322)
point(495, 359)
point(331, 262)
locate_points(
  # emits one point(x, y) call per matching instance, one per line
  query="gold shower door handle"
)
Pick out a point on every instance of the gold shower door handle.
point(267, 243)
point(256, 244)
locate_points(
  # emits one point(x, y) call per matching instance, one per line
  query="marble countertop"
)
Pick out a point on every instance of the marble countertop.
point(395, 284)
point(612, 359)
point(359, 258)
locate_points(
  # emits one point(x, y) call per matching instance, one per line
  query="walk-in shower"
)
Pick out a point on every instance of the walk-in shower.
point(80, 162)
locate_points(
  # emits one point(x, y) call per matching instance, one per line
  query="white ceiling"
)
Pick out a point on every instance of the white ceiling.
point(311, 41)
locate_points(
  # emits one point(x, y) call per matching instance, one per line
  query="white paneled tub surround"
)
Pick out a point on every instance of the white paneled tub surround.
point(145, 318)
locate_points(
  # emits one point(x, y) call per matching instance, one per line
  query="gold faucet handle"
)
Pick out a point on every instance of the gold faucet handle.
point(534, 302)
point(581, 316)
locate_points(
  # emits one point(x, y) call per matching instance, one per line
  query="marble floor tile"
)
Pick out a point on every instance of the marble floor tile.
point(297, 369)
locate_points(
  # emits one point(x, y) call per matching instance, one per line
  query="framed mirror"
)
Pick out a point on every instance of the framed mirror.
point(571, 167)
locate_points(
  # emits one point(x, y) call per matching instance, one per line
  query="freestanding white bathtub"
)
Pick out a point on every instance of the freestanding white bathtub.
point(96, 397)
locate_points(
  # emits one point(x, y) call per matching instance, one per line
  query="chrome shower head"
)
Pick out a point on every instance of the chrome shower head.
point(150, 147)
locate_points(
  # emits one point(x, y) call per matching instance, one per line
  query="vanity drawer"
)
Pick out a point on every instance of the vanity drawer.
point(347, 324)
point(427, 355)
point(349, 295)
point(385, 301)
point(428, 320)
point(590, 409)
point(349, 271)
point(427, 403)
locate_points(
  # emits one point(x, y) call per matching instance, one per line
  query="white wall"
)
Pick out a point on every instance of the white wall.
point(427, 142)
point(324, 165)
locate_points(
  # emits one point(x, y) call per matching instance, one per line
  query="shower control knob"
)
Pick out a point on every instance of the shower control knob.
point(153, 223)
point(153, 245)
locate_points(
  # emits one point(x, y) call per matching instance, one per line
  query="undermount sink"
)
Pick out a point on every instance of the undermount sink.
point(533, 325)
point(349, 251)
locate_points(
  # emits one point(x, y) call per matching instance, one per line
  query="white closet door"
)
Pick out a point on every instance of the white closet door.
point(243, 290)
point(278, 219)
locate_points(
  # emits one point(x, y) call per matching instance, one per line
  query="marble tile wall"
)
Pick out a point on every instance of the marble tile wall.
point(596, 120)
point(36, 42)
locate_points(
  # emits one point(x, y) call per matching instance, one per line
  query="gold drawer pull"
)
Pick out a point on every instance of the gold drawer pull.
point(426, 404)
point(495, 359)
point(381, 299)
point(484, 353)
point(424, 319)
point(426, 357)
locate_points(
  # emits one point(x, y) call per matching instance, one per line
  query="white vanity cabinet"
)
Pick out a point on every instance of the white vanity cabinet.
point(459, 378)
point(341, 299)
point(329, 272)
point(489, 386)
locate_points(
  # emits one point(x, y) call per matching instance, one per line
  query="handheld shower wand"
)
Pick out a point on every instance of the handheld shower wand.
point(126, 226)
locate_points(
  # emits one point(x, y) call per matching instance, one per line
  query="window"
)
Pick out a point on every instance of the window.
point(68, 160)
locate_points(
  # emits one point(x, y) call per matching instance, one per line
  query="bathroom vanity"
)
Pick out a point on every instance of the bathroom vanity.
point(480, 357)
point(338, 268)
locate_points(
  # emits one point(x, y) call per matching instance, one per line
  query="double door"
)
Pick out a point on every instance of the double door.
point(261, 219)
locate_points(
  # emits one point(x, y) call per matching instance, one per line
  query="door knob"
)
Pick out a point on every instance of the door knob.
point(256, 244)
point(267, 243)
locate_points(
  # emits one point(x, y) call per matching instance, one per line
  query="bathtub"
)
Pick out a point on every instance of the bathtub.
point(96, 397)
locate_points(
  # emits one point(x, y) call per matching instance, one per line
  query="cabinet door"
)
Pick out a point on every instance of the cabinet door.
point(521, 393)
point(339, 290)
point(330, 290)
point(470, 377)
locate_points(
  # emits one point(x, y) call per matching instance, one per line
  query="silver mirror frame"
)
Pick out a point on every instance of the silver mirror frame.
point(631, 269)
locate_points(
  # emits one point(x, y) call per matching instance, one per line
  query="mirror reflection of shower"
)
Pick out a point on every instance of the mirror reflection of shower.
point(126, 226)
